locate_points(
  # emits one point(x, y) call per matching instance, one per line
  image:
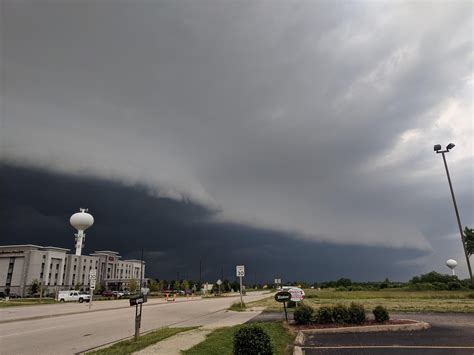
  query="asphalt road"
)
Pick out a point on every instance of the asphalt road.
point(58, 332)
point(450, 334)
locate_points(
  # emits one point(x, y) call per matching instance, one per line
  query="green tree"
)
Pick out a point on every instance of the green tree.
point(133, 285)
point(469, 238)
point(78, 286)
point(185, 285)
point(34, 287)
point(153, 285)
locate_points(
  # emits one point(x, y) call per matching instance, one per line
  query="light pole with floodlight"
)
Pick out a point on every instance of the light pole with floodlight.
point(437, 149)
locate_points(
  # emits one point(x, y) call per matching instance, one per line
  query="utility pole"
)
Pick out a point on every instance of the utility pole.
point(438, 150)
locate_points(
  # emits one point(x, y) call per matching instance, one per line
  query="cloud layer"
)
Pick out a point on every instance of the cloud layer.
point(311, 118)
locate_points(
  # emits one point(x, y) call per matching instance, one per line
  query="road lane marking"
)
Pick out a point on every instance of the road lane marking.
point(30, 331)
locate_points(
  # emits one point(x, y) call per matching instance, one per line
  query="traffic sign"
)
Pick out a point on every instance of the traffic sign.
point(92, 278)
point(297, 294)
point(219, 282)
point(240, 270)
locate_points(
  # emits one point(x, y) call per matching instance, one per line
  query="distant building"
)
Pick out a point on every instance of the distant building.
point(21, 265)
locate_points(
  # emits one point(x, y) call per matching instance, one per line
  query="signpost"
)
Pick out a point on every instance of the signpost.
point(219, 283)
point(93, 280)
point(240, 272)
point(283, 297)
point(277, 282)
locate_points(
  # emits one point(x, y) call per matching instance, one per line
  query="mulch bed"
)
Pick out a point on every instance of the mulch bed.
point(333, 325)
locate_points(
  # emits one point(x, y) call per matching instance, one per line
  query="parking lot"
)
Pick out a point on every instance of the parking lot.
point(449, 334)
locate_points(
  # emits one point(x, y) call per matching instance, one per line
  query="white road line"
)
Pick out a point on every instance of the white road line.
point(29, 331)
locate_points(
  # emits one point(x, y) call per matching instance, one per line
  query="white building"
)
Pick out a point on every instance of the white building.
point(21, 265)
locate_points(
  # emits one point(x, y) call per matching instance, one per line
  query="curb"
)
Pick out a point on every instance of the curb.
point(416, 325)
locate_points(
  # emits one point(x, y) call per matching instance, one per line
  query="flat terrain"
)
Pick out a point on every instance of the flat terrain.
point(60, 329)
point(395, 300)
point(451, 333)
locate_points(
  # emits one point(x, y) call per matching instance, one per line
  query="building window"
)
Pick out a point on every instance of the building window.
point(57, 266)
point(44, 256)
point(74, 267)
point(51, 265)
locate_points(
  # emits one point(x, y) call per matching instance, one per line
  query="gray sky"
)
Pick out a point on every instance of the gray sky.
point(315, 119)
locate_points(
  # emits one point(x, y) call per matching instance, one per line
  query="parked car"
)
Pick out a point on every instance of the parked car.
point(107, 294)
point(117, 294)
point(73, 296)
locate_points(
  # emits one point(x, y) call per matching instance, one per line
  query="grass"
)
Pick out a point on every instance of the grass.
point(220, 341)
point(26, 302)
point(237, 308)
point(395, 300)
point(130, 346)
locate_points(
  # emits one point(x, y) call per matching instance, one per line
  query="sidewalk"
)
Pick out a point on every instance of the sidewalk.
point(186, 340)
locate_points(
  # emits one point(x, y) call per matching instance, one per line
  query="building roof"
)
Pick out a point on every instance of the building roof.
point(106, 252)
point(134, 261)
point(33, 246)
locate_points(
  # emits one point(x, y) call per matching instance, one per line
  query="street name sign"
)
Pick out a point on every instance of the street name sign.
point(283, 296)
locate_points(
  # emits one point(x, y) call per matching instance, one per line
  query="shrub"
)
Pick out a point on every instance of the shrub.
point(340, 314)
point(303, 314)
point(291, 304)
point(454, 285)
point(252, 340)
point(471, 295)
point(356, 313)
point(324, 315)
point(381, 314)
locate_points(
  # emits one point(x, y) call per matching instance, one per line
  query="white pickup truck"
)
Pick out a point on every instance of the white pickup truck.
point(73, 296)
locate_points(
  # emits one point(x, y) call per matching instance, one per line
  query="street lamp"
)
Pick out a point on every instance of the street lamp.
point(437, 149)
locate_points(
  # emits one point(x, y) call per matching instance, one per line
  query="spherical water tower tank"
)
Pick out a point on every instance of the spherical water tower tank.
point(81, 221)
point(451, 263)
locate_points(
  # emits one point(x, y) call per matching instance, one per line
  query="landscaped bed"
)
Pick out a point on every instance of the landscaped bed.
point(370, 322)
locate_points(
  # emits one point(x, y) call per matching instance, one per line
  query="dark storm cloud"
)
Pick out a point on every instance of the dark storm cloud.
point(176, 235)
point(315, 120)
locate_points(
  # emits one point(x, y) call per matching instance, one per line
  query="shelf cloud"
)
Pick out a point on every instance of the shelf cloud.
point(312, 119)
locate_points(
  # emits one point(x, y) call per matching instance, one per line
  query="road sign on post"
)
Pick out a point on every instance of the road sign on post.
point(92, 281)
point(240, 272)
point(283, 297)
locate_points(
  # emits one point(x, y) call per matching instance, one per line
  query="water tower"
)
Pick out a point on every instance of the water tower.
point(81, 221)
point(451, 263)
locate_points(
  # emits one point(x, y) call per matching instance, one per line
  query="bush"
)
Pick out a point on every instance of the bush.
point(356, 313)
point(470, 295)
point(324, 315)
point(252, 340)
point(340, 314)
point(381, 314)
point(454, 285)
point(303, 314)
point(291, 304)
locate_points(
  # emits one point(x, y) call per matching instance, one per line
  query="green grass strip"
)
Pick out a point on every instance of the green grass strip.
point(220, 341)
point(130, 346)
point(26, 302)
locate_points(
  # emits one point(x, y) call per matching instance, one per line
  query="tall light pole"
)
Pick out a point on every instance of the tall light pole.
point(437, 149)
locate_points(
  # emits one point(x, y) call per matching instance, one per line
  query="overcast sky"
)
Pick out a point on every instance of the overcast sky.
point(313, 121)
